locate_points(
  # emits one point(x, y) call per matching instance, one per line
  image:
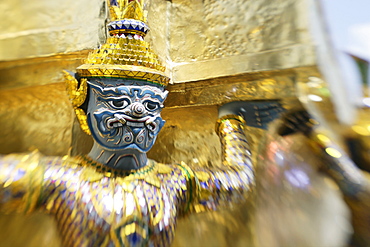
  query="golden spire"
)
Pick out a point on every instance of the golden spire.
point(125, 54)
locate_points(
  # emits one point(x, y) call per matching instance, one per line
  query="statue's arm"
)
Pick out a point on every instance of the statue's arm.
point(21, 178)
point(233, 180)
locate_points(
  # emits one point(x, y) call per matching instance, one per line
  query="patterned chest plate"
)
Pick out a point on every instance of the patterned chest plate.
point(92, 209)
point(95, 205)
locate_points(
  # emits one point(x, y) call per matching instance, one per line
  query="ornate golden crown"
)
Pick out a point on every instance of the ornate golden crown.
point(125, 54)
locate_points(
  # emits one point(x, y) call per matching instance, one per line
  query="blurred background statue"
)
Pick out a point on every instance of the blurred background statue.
point(323, 139)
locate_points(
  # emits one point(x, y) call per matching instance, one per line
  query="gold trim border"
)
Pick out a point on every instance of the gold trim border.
point(123, 71)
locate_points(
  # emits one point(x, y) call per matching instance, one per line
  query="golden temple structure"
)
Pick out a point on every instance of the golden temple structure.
point(227, 49)
point(215, 52)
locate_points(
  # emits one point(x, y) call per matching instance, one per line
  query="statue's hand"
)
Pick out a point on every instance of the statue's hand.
point(256, 113)
point(296, 120)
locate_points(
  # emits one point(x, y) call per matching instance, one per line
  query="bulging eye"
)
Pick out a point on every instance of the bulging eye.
point(119, 104)
point(151, 106)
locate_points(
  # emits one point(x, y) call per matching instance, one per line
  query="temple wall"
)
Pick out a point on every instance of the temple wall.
point(215, 52)
point(43, 28)
point(220, 38)
point(197, 39)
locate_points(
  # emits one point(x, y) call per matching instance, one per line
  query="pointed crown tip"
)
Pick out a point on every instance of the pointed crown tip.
point(126, 9)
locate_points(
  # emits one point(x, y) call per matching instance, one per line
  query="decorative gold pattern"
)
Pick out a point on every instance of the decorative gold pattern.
point(104, 207)
point(124, 58)
point(228, 118)
point(127, 10)
point(126, 55)
point(121, 52)
point(77, 94)
point(82, 119)
point(235, 147)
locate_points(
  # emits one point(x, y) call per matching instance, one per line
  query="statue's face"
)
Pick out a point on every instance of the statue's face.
point(125, 114)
